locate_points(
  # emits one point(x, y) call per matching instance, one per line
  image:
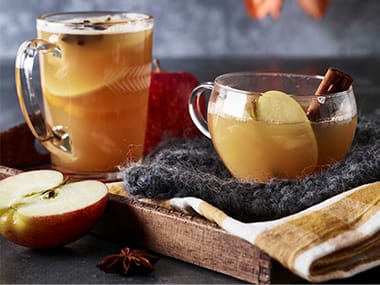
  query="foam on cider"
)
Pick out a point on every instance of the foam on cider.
point(107, 24)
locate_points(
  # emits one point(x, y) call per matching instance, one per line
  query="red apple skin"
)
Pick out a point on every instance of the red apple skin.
point(55, 230)
point(168, 114)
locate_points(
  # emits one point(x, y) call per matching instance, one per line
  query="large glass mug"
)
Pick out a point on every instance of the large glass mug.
point(260, 134)
point(95, 70)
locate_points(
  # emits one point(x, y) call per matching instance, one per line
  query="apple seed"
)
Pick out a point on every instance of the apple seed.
point(48, 193)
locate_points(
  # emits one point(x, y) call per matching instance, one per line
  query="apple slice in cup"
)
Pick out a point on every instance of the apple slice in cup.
point(289, 134)
point(38, 209)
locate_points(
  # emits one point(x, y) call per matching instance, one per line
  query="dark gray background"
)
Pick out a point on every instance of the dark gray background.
point(188, 28)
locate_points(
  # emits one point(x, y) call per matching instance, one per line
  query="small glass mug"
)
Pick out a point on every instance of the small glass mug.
point(262, 137)
point(95, 70)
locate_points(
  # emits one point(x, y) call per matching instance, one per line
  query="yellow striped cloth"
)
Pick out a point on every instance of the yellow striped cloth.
point(335, 239)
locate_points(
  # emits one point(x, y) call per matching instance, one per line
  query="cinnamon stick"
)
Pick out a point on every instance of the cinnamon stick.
point(333, 81)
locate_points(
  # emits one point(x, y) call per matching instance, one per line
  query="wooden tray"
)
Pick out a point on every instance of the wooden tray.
point(185, 237)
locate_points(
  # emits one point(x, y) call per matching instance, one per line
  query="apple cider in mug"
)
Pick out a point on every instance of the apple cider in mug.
point(252, 143)
point(277, 125)
point(96, 87)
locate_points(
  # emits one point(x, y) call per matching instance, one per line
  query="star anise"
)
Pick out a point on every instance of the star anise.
point(128, 261)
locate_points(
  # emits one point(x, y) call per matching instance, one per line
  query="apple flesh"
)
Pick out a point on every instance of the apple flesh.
point(277, 106)
point(289, 132)
point(38, 209)
point(168, 107)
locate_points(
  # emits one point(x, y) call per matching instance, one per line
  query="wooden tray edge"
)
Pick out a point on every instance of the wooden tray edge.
point(188, 238)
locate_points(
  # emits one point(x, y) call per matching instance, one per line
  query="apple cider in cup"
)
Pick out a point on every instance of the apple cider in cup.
point(96, 86)
point(268, 135)
point(334, 139)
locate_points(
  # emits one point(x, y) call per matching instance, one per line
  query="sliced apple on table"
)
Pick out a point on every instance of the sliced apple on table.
point(39, 209)
point(290, 132)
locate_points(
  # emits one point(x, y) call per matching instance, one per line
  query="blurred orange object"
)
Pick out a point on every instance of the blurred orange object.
point(315, 8)
point(259, 9)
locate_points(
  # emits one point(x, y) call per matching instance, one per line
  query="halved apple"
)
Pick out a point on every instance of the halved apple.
point(38, 209)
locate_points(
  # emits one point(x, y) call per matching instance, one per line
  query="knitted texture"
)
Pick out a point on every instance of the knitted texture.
point(191, 167)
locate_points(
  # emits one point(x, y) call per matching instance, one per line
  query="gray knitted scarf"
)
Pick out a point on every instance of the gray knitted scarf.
point(191, 167)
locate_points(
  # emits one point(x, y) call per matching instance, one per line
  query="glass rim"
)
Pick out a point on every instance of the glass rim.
point(218, 82)
point(77, 20)
point(48, 17)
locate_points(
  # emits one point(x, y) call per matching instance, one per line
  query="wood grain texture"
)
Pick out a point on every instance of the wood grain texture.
point(189, 238)
point(7, 171)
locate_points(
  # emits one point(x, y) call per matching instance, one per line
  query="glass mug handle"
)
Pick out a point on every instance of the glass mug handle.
point(195, 110)
point(52, 138)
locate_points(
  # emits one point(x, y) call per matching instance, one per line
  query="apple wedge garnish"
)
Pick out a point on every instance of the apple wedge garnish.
point(277, 106)
point(39, 209)
point(289, 130)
